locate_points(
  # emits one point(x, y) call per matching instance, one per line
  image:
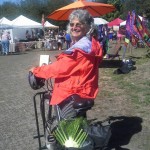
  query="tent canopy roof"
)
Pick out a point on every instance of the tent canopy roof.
point(99, 21)
point(115, 22)
point(49, 25)
point(5, 23)
point(24, 22)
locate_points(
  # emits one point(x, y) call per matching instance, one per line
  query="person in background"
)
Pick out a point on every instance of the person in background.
point(119, 37)
point(60, 40)
point(68, 39)
point(103, 37)
point(28, 36)
point(33, 37)
point(5, 42)
point(52, 34)
point(76, 71)
point(1, 33)
point(111, 32)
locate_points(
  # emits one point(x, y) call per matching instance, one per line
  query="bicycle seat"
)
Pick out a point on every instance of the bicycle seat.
point(82, 103)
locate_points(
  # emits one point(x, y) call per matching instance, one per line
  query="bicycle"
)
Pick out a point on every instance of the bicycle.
point(51, 117)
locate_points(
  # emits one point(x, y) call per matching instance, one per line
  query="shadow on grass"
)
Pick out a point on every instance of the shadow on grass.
point(122, 131)
point(110, 64)
point(134, 57)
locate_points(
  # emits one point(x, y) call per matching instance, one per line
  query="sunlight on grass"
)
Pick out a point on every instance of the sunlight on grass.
point(136, 84)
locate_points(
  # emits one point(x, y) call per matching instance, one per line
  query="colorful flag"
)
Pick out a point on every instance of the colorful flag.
point(135, 32)
point(142, 31)
point(128, 26)
point(145, 24)
point(132, 31)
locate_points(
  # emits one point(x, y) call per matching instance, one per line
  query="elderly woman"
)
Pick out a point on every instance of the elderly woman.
point(76, 69)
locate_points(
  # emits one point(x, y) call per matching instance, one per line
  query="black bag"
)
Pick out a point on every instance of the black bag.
point(100, 134)
point(98, 137)
point(126, 66)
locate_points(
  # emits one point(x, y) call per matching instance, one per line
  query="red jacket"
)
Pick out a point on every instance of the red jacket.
point(75, 73)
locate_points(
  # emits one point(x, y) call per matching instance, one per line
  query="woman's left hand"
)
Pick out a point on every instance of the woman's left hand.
point(31, 69)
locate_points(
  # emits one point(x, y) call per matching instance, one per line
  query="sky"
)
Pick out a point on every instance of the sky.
point(13, 1)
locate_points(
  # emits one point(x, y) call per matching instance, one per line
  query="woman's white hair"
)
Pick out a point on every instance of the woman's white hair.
point(85, 18)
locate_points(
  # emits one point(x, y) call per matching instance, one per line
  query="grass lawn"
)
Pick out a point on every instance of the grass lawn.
point(125, 94)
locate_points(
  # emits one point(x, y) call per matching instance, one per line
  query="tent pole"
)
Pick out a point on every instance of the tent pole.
point(43, 24)
point(44, 36)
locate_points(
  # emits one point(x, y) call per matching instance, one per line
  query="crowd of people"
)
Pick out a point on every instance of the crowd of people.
point(63, 37)
point(34, 35)
point(59, 39)
point(52, 39)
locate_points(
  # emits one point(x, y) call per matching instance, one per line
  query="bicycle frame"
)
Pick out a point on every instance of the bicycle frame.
point(41, 95)
point(45, 121)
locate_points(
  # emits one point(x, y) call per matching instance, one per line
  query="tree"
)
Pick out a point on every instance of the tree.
point(117, 13)
point(9, 10)
point(35, 8)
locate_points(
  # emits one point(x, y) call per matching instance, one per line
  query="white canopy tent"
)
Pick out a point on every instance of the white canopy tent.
point(99, 21)
point(21, 24)
point(5, 23)
point(24, 22)
point(49, 25)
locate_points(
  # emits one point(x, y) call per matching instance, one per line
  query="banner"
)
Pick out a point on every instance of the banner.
point(136, 29)
point(142, 31)
point(131, 31)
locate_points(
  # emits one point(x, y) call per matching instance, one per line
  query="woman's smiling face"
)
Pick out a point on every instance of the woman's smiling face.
point(77, 29)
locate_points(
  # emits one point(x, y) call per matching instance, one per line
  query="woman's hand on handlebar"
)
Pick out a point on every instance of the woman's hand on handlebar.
point(31, 69)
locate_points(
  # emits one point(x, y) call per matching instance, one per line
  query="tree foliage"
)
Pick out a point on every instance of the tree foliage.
point(35, 8)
